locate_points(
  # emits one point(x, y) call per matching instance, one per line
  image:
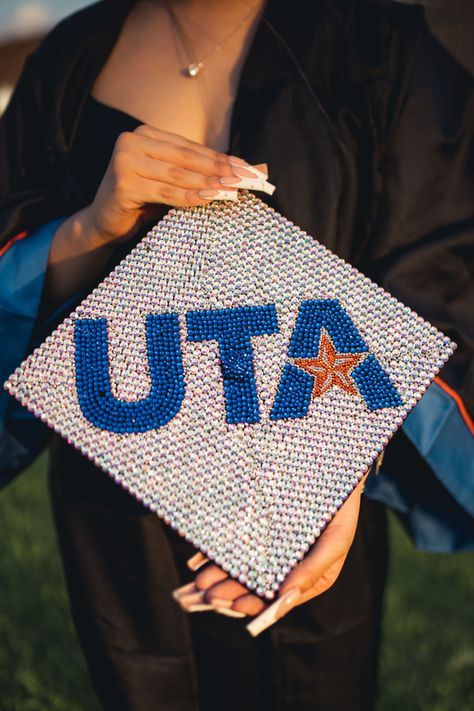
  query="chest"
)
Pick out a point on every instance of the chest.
point(148, 80)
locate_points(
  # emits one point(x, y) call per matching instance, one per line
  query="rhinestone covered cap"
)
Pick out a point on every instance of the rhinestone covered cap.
point(237, 378)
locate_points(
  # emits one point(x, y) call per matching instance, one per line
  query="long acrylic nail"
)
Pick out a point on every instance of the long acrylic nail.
point(261, 168)
point(245, 172)
point(219, 195)
point(198, 608)
point(184, 590)
point(234, 161)
point(249, 184)
point(194, 603)
point(229, 613)
point(273, 613)
point(244, 183)
point(197, 561)
point(195, 598)
point(221, 602)
point(268, 188)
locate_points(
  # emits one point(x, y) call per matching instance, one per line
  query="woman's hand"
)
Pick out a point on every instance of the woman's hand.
point(214, 590)
point(150, 166)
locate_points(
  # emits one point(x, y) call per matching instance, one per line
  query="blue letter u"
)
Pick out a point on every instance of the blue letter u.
point(96, 400)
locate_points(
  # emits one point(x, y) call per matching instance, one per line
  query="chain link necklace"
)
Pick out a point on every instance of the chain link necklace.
point(195, 66)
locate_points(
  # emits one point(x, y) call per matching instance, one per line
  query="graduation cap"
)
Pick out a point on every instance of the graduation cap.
point(237, 378)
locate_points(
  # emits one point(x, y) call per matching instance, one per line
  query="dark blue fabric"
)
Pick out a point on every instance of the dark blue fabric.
point(428, 477)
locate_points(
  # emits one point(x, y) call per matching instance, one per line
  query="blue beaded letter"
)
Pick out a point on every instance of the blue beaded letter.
point(294, 391)
point(374, 385)
point(97, 402)
point(232, 329)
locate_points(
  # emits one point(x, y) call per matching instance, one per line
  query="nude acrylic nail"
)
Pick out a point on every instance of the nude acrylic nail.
point(198, 608)
point(245, 172)
point(234, 161)
point(184, 590)
point(221, 602)
point(275, 612)
point(218, 195)
point(197, 561)
point(229, 613)
point(249, 184)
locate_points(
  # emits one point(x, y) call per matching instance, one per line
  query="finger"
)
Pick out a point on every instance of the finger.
point(187, 589)
point(326, 581)
point(154, 191)
point(291, 598)
point(160, 135)
point(190, 599)
point(211, 575)
point(274, 612)
point(249, 604)
point(205, 163)
point(224, 592)
point(221, 157)
point(160, 170)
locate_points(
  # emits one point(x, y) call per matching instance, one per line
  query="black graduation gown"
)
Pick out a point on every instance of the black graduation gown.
point(352, 110)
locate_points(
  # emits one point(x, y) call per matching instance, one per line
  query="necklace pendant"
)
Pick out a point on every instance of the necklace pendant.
point(193, 69)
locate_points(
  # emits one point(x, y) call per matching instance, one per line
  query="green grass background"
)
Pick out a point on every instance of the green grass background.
point(428, 649)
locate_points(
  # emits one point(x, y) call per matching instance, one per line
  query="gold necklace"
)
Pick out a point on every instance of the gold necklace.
point(194, 66)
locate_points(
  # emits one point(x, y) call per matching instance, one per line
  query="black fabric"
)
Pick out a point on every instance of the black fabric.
point(365, 122)
point(145, 654)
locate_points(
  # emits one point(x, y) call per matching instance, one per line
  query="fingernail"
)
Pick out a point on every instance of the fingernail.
point(273, 613)
point(197, 561)
point(221, 602)
point(268, 188)
point(245, 172)
point(193, 599)
point(245, 183)
point(229, 613)
point(218, 194)
point(287, 602)
point(208, 194)
point(261, 168)
point(256, 172)
point(198, 608)
point(231, 180)
point(184, 590)
point(235, 160)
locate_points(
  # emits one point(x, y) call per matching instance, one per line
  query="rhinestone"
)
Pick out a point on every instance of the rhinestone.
point(253, 496)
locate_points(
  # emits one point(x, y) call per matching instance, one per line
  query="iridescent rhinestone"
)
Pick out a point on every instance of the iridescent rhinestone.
point(253, 496)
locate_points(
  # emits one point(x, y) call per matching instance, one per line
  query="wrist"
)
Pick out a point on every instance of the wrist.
point(87, 235)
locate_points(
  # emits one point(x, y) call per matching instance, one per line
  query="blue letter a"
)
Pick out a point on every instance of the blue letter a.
point(296, 386)
point(97, 402)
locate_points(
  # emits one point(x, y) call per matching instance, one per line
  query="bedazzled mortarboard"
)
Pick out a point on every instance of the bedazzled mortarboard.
point(236, 377)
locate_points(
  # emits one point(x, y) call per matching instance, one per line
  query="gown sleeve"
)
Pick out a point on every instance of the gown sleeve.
point(31, 209)
point(23, 264)
point(424, 255)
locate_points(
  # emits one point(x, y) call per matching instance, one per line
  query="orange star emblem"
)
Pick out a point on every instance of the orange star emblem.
point(330, 368)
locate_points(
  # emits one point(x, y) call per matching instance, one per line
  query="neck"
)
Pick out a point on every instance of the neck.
point(214, 13)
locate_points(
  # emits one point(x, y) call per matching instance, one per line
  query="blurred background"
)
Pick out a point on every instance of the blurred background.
point(428, 642)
